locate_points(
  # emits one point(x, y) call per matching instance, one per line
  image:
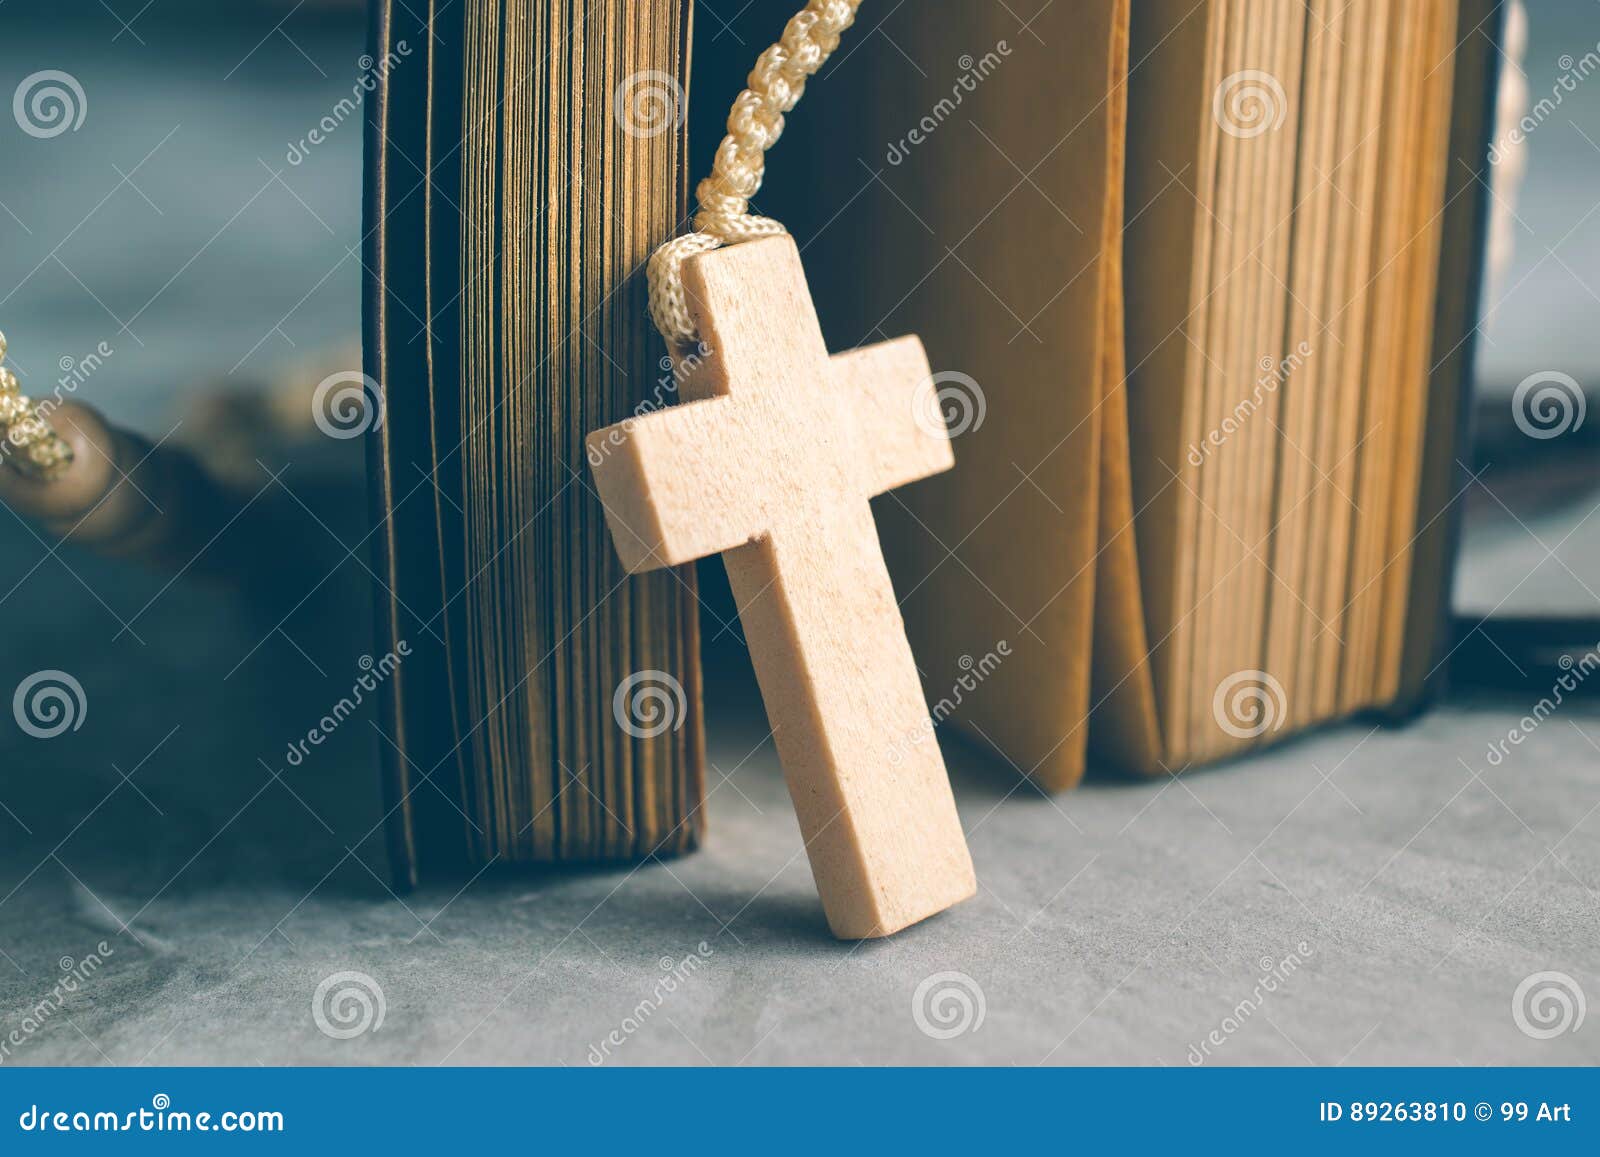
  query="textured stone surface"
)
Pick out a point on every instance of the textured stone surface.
point(1121, 923)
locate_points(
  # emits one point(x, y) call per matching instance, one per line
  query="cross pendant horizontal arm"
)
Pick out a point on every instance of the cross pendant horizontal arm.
point(694, 480)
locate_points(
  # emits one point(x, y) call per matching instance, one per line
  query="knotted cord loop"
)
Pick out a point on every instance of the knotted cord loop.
point(776, 85)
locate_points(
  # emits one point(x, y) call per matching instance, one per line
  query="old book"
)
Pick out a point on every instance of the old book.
point(524, 159)
point(1198, 282)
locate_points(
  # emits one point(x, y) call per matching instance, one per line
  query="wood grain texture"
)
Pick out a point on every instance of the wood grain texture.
point(771, 460)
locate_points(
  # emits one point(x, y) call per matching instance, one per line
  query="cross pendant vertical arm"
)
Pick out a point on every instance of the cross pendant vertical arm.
point(771, 462)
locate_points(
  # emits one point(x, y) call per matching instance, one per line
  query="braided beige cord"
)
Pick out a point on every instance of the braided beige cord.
point(776, 85)
point(26, 441)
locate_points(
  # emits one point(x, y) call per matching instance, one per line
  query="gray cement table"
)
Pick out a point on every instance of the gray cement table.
point(1413, 884)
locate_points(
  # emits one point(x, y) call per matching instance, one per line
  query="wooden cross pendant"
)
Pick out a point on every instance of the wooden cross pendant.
point(770, 461)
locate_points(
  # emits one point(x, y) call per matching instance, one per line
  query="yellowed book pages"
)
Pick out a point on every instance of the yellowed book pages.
point(1181, 354)
point(1167, 252)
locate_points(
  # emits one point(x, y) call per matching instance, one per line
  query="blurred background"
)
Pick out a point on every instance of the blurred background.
point(1529, 541)
point(172, 223)
point(190, 226)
